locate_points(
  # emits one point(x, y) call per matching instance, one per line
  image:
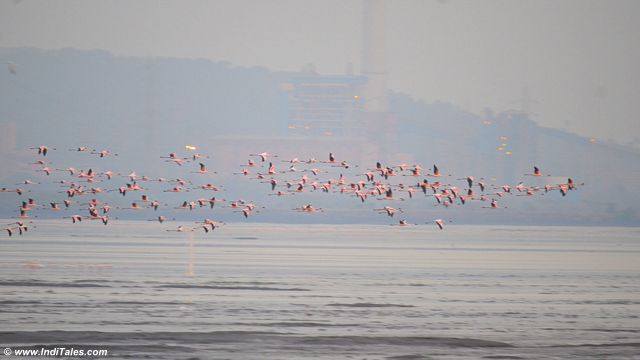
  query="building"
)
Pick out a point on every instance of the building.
point(323, 105)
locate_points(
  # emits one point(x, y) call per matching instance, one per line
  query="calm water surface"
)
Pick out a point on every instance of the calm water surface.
point(266, 291)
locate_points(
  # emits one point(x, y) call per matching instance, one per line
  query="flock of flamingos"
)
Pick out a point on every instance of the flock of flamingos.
point(295, 176)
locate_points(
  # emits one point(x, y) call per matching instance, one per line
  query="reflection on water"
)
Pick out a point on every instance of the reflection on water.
point(314, 291)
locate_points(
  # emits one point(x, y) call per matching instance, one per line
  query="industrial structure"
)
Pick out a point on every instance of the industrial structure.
point(345, 105)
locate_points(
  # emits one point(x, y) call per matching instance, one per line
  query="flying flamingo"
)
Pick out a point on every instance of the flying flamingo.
point(263, 155)
point(402, 222)
point(211, 187)
point(29, 182)
point(494, 205)
point(213, 201)
point(250, 163)
point(46, 170)
point(536, 172)
point(308, 209)
point(388, 210)
point(42, 150)
point(103, 153)
point(82, 148)
point(181, 228)
point(203, 170)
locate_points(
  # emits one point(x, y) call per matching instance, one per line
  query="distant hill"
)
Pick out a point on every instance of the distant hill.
point(144, 107)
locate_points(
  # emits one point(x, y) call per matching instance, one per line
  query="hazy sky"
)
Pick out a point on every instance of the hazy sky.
point(577, 58)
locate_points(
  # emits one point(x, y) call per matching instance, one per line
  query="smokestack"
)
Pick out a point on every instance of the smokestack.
point(374, 57)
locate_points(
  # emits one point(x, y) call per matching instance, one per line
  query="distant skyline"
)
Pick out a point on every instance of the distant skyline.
point(574, 60)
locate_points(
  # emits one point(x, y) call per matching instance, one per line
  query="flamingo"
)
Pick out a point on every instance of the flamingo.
point(416, 171)
point(369, 176)
point(281, 193)
point(181, 228)
point(176, 189)
point(21, 229)
point(171, 156)
point(187, 205)
point(17, 190)
point(46, 170)
point(263, 155)
point(29, 182)
point(273, 183)
point(388, 210)
point(482, 186)
point(213, 201)
point(82, 148)
point(103, 153)
point(402, 222)
point(203, 170)
point(87, 175)
point(42, 150)
point(210, 187)
point(250, 163)
point(70, 170)
point(388, 194)
point(470, 180)
point(212, 223)
point(196, 156)
point(246, 211)
point(536, 172)
point(308, 208)
point(436, 171)
point(134, 206)
point(155, 204)
point(494, 205)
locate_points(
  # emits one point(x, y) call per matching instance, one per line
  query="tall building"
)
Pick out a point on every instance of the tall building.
point(374, 57)
point(323, 105)
point(348, 105)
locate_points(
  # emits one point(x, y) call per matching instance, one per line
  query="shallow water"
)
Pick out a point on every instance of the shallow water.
point(256, 291)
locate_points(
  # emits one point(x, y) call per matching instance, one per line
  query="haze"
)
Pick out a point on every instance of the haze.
point(569, 64)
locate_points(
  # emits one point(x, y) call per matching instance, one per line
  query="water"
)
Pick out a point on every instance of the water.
point(266, 291)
